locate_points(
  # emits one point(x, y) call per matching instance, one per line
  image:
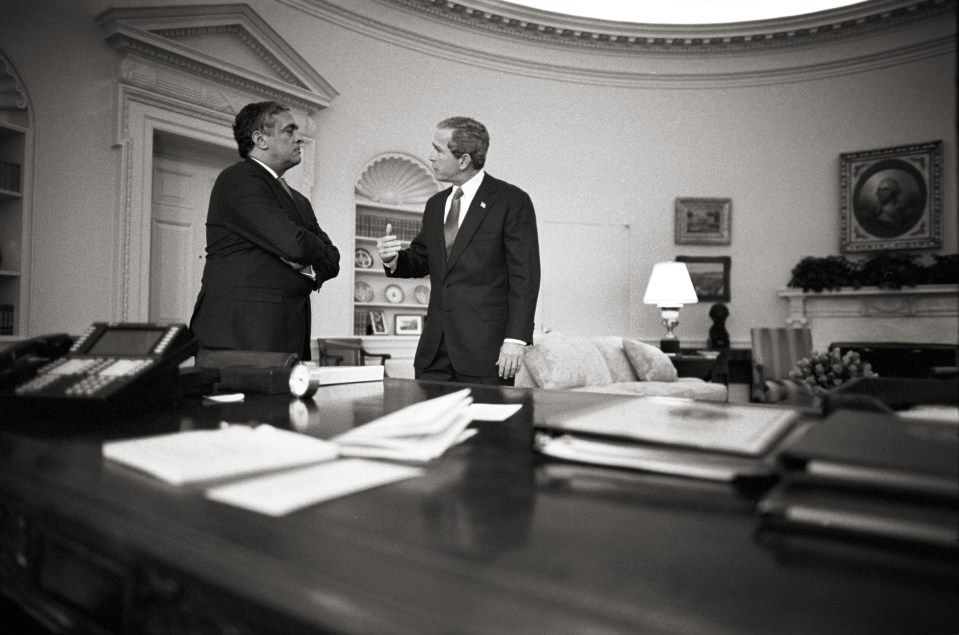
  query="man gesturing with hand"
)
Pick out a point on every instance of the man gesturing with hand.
point(480, 248)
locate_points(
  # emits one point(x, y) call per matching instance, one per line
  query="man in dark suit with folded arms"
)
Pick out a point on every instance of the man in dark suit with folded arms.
point(479, 246)
point(265, 250)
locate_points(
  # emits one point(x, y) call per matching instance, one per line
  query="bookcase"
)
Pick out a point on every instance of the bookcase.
point(13, 143)
point(392, 190)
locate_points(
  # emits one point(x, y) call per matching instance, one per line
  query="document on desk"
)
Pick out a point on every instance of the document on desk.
point(670, 436)
point(280, 494)
point(233, 450)
point(715, 427)
point(420, 432)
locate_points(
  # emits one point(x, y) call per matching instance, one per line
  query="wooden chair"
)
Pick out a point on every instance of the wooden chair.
point(775, 351)
point(347, 352)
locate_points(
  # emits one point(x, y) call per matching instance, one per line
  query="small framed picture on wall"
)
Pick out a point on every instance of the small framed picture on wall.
point(710, 276)
point(703, 221)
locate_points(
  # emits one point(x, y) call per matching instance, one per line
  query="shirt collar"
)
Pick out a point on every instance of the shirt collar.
point(470, 187)
point(268, 168)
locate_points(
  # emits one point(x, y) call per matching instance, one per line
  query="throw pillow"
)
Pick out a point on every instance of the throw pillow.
point(611, 348)
point(556, 361)
point(650, 363)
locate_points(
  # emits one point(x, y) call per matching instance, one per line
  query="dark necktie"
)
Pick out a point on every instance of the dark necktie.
point(287, 188)
point(452, 224)
point(306, 270)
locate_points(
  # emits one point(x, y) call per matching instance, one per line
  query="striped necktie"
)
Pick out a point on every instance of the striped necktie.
point(452, 224)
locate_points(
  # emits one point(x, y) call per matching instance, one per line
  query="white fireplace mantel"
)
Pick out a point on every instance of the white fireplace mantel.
point(922, 314)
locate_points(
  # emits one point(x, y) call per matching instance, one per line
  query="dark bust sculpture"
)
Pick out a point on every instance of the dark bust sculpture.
point(718, 335)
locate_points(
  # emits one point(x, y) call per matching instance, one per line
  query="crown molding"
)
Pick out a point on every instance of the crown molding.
point(495, 44)
point(503, 18)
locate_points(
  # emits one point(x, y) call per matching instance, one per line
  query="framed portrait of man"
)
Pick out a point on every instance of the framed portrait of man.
point(891, 198)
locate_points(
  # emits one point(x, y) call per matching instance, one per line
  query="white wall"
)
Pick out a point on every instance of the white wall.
point(589, 151)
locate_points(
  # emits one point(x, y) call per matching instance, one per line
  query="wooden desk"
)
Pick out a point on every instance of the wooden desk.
point(492, 539)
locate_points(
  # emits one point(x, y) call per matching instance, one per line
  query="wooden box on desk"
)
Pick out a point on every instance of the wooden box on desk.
point(896, 393)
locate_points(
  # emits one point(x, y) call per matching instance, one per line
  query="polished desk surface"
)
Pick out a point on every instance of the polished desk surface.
point(493, 538)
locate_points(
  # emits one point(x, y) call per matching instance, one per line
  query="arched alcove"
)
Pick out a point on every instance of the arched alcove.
point(392, 189)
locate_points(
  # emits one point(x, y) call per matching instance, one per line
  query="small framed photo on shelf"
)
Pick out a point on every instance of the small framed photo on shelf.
point(408, 324)
point(710, 276)
point(377, 323)
point(891, 198)
point(703, 221)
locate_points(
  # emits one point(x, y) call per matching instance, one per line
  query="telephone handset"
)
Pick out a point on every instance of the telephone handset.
point(22, 359)
point(110, 364)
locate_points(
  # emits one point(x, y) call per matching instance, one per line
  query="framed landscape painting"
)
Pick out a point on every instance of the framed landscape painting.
point(710, 276)
point(891, 198)
point(703, 221)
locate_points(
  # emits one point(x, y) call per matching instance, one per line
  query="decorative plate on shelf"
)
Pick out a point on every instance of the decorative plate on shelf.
point(422, 294)
point(394, 294)
point(362, 258)
point(362, 292)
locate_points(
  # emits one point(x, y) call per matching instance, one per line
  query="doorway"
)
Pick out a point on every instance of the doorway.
point(184, 171)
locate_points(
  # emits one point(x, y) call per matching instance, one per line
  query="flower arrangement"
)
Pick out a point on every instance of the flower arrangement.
point(883, 269)
point(824, 371)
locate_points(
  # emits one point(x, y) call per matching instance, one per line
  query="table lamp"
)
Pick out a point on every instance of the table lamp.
point(669, 288)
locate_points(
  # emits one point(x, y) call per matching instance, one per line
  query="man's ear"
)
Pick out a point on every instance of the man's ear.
point(465, 160)
point(259, 140)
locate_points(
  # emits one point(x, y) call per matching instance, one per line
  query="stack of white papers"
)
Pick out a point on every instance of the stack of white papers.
point(203, 455)
point(419, 433)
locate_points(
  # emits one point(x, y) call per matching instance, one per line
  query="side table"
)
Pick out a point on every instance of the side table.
point(694, 365)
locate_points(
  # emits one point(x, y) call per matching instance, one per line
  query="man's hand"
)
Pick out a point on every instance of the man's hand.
point(388, 245)
point(510, 355)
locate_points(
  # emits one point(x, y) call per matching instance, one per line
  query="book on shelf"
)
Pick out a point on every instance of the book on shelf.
point(374, 225)
point(668, 435)
point(6, 319)
point(10, 176)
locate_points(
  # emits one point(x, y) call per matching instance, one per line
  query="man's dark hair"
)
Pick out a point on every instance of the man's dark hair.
point(469, 137)
point(253, 117)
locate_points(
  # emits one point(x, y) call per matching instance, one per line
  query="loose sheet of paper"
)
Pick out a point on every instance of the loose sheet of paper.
point(279, 494)
point(492, 411)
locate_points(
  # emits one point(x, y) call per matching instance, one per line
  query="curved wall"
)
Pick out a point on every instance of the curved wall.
point(600, 137)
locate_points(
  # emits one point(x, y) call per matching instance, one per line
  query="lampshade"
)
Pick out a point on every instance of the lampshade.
point(670, 286)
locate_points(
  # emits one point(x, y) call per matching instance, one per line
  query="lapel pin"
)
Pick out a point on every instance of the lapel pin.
point(483, 204)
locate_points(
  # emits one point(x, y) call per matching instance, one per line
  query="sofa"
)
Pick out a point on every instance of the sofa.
point(608, 364)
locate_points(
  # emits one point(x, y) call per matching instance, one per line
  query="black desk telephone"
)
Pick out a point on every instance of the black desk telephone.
point(110, 365)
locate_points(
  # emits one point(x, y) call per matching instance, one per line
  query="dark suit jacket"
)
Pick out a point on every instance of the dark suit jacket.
point(487, 290)
point(250, 299)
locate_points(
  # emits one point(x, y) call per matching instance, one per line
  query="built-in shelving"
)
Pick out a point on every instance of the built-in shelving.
point(391, 191)
point(13, 145)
